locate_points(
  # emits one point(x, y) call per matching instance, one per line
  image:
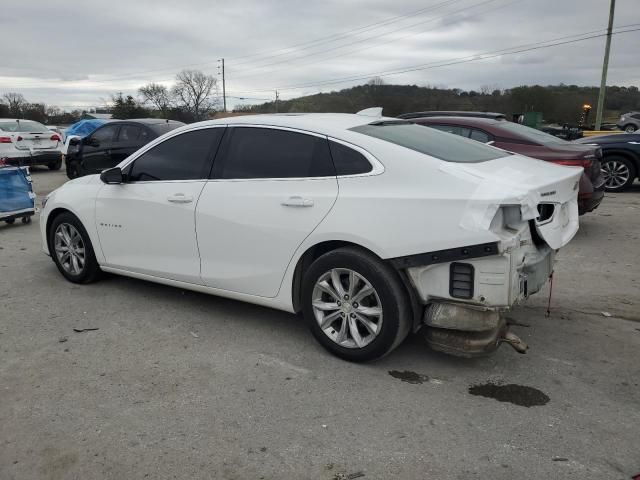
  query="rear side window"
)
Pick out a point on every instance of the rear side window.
point(272, 153)
point(183, 157)
point(480, 136)
point(348, 161)
point(460, 131)
point(430, 141)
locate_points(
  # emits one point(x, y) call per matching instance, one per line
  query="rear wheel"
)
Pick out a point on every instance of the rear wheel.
point(71, 249)
point(355, 305)
point(619, 173)
point(630, 128)
point(55, 165)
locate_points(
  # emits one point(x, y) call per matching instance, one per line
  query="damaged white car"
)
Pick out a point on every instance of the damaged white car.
point(372, 227)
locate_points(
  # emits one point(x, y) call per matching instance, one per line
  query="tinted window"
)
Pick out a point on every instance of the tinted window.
point(129, 133)
point(461, 131)
point(347, 161)
point(183, 157)
point(480, 136)
point(162, 128)
point(104, 134)
point(271, 153)
point(528, 133)
point(431, 142)
point(636, 116)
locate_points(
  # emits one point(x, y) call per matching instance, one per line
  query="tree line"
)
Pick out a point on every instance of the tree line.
point(194, 96)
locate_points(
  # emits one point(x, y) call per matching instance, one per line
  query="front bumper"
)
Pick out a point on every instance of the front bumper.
point(37, 158)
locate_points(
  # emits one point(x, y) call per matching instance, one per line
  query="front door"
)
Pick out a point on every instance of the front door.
point(270, 189)
point(96, 149)
point(147, 224)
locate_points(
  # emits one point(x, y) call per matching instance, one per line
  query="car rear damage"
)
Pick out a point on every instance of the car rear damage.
point(465, 291)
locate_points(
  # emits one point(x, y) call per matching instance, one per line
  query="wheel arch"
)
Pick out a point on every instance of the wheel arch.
point(319, 249)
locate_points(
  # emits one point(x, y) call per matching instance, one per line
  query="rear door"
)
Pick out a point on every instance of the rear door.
point(270, 188)
point(96, 148)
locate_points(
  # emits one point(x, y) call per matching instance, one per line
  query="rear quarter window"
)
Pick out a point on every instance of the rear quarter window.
point(450, 148)
point(348, 161)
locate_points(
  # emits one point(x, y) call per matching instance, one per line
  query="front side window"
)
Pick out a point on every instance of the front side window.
point(430, 141)
point(129, 133)
point(271, 153)
point(104, 134)
point(183, 157)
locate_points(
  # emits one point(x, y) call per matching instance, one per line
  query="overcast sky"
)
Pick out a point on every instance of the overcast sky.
point(77, 53)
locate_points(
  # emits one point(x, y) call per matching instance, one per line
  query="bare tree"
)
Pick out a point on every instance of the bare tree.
point(158, 95)
point(16, 102)
point(196, 91)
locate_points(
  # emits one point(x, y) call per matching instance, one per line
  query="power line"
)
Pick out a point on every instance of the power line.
point(375, 45)
point(432, 65)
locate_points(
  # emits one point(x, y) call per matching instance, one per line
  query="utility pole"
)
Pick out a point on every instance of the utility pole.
point(224, 92)
point(605, 67)
point(277, 97)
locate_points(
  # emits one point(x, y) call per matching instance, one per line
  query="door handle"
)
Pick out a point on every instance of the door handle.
point(180, 198)
point(297, 201)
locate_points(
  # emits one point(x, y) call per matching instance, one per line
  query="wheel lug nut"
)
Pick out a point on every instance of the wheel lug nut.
point(355, 304)
point(346, 297)
point(339, 303)
point(353, 315)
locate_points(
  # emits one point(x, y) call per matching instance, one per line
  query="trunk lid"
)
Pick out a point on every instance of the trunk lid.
point(36, 140)
point(531, 184)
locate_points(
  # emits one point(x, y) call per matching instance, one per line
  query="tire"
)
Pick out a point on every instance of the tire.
point(55, 165)
point(619, 173)
point(88, 270)
point(72, 170)
point(26, 220)
point(630, 128)
point(379, 333)
point(10, 221)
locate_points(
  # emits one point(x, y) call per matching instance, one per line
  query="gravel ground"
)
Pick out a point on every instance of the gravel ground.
point(177, 384)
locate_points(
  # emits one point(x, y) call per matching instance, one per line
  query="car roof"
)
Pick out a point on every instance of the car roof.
point(146, 121)
point(453, 113)
point(459, 120)
point(331, 124)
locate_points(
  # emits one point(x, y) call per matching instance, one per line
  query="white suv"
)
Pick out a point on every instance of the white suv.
point(372, 227)
point(25, 142)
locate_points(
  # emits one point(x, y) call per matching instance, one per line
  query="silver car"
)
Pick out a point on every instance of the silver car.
point(629, 122)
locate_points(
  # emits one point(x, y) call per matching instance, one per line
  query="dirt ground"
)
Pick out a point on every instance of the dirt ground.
point(177, 384)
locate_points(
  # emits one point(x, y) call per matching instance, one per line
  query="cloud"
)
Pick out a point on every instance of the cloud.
point(77, 52)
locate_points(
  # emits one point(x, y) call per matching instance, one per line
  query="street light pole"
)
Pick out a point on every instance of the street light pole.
point(605, 67)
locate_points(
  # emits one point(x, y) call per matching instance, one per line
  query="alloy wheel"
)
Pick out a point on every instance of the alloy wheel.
point(69, 248)
point(347, 308)
point(616, 174)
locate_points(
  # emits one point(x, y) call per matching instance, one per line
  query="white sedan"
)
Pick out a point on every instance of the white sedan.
point(372, 227)
point(25, 142)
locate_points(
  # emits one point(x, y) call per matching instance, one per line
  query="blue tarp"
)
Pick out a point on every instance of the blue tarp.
point(84, 127)
point(15, 190)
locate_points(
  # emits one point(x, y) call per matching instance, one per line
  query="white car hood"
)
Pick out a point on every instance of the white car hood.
point(525, 182)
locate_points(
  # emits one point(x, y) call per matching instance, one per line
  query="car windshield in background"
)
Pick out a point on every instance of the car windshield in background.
point(23, 126)
point(531, 134)
point(162, 128)
point(444, 146)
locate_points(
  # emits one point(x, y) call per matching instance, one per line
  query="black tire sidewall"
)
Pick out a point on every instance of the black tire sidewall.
point(389, 288)
point(91, 267)
point(55, 165)
point(630, 166)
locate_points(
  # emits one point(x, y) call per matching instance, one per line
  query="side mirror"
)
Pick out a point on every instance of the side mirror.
point(112, 176)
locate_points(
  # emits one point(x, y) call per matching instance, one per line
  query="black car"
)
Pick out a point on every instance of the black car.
point(621, 162)
point(111, 143)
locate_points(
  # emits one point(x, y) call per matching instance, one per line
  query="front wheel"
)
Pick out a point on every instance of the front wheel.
point(630, 128)
point(71, 249)
point(619, 173)
point(355, 305)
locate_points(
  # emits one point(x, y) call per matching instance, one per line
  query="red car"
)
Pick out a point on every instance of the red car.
point(517, 138)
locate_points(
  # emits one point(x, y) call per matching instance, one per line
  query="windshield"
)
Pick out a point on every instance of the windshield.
point(162, 128)
point(531, 134)
point(23, 126)
point(445, 146)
